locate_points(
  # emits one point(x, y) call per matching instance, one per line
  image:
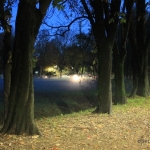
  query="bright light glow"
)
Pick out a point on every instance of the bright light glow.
point(65, 76)
point(50, 69)
point(55, 67)
point(76, 77)
point(45, 77)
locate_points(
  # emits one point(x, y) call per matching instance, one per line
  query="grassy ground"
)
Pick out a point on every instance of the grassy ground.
point(60, 103)
point(66, 123)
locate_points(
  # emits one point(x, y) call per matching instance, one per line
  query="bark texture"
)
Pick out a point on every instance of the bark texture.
point(119, 55)
point(7, 55)
point(104, 33)
point(20, 118)
point(7, 65)
point(104, 79)
point(140, 43)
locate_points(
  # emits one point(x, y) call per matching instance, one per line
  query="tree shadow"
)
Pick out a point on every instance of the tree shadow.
point(57, 103)
point(63, 107)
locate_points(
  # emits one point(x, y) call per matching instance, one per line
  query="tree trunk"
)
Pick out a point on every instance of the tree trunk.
point(135, 85)
point(143, 81)
point(104, 78)
point(83, 64)
point(134, 57)
point(7, 60)
point(40, 72)
point(120, 94)
point(119, 57)
point(60, 71)
point(7, 56)
point(140, 46)
point(104, 34)
point(20, 118)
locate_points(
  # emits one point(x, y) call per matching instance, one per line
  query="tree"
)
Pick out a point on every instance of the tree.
point(20, 118)
point(1, 52)
point(85, 43)
point(40, 50)
point(5, 15)
point(61, 49)
point(100, 14)
point(74, 64)
point(119, 53)
point(46, 52)
point(140, 44)
point(62, 43)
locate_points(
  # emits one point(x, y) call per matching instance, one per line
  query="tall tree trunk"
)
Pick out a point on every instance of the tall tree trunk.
point(135, 81)
point(60, 71)
point(83, 65)
point(119, 57)
point(40, 72)
point(7, 60)
point(140, 44)
point(7, 56)
point(104, 78)
point(104, 33)
point(20, 118)
point(135, 59)
point(143, 82)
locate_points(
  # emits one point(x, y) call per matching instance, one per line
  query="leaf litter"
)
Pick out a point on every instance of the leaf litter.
point(123, 130)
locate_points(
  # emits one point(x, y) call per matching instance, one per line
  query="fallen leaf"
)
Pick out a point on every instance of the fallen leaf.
point(1, 144)
point(54, 148)
point(21, 142)
point(35, 136)
point(57, 144)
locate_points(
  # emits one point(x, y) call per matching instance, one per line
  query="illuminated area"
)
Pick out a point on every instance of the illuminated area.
point(50, 69)
point(75, 77)
point(45, 77)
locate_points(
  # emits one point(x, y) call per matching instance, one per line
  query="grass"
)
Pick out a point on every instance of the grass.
point(58, 103)
point(79, 103)
point(76, 103)
point(125, 129)
point(66, 122)
point(141, 102)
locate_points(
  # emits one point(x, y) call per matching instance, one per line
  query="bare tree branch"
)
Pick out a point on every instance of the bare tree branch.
point(63, 2)
point(90, 17)
point(64, 26)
